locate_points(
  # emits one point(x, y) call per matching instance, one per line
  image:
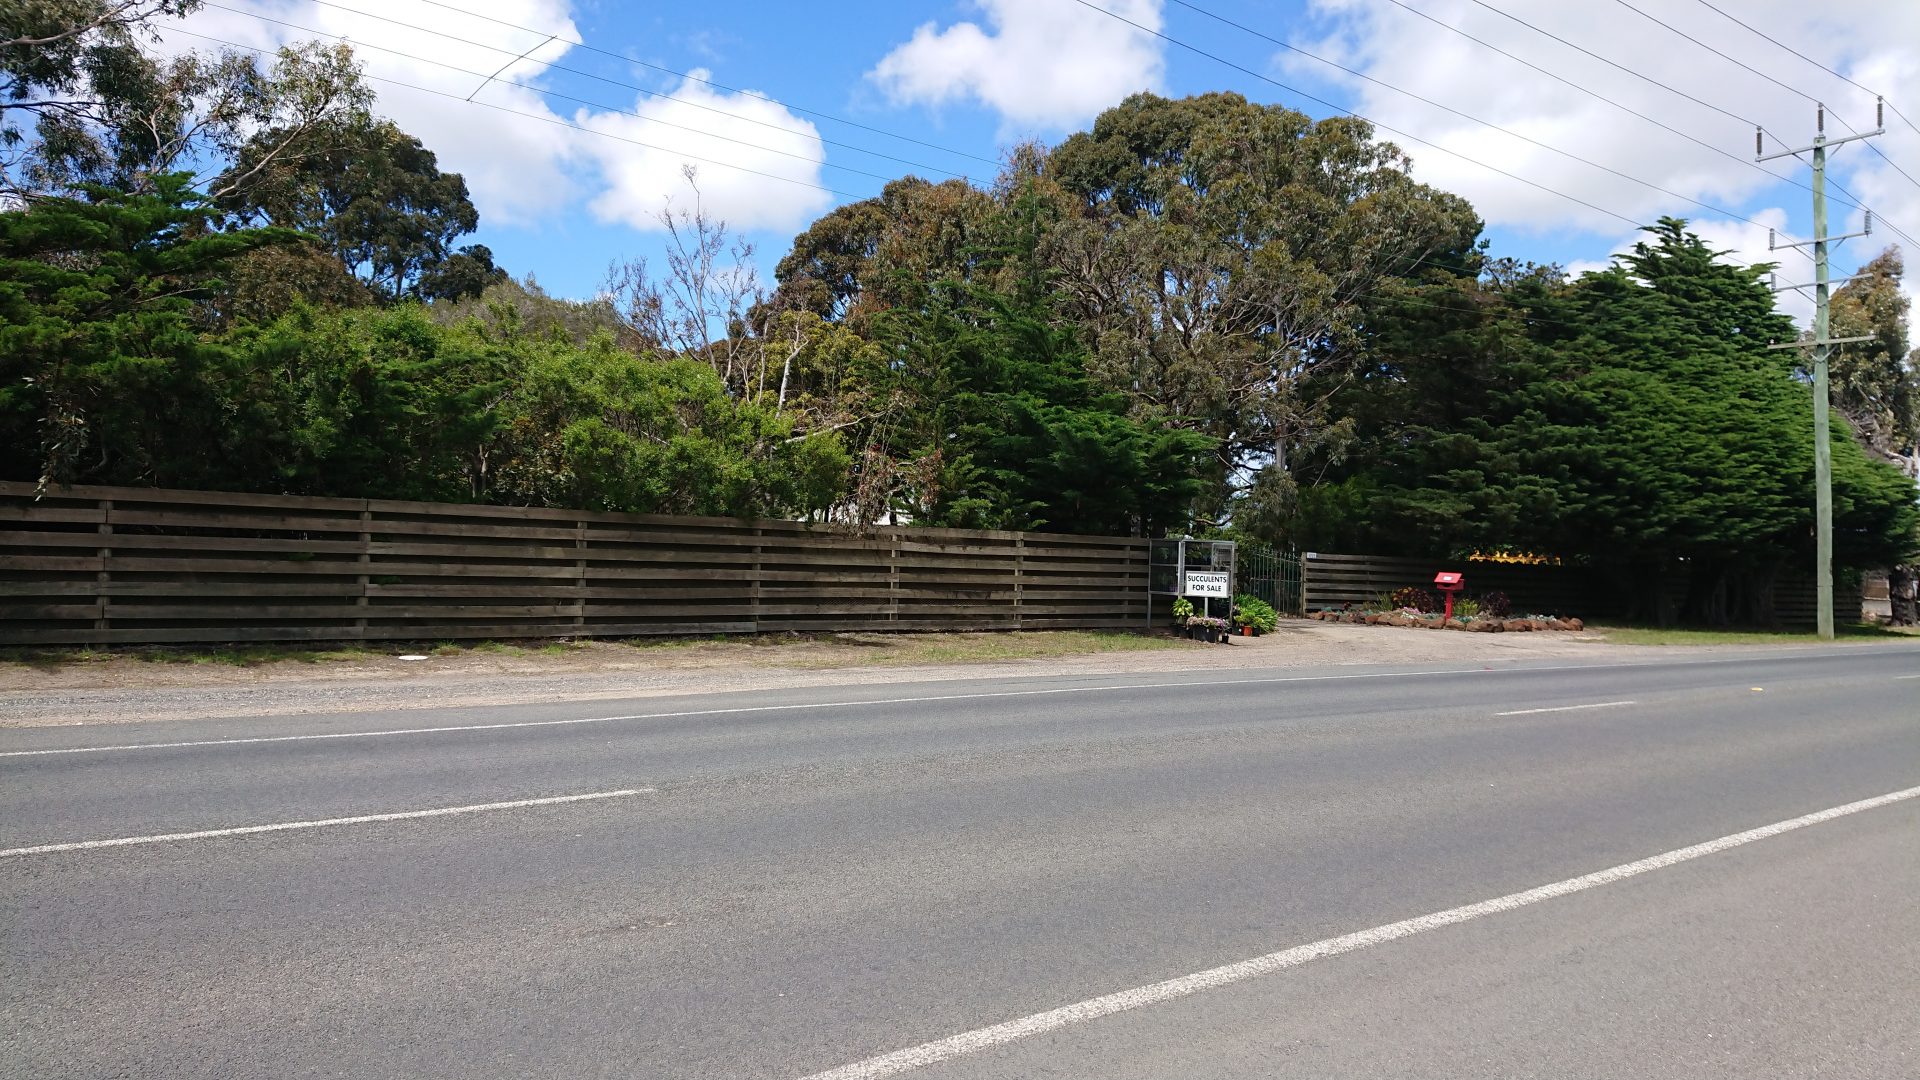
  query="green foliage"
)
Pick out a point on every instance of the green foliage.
point(1182, 608)
point(1255, 612)
point(601, 428)
point(1466, 607)
point(1639, 425)
point(109, 366)
point(1202, 316)
point(99, 326)
point(1216, 253)
point(84, 103)
point(373, 196)
point(392, 403)
point(1876, 383)
point(1003, 426)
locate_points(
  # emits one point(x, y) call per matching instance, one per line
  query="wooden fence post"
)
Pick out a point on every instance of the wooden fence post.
point(361, 601)
point(580, 580)
point(1019, 579)
point(103, 577)
point(753, 585)
point(893, 575)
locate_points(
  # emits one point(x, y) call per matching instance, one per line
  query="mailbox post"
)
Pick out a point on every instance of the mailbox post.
point(1449, 582)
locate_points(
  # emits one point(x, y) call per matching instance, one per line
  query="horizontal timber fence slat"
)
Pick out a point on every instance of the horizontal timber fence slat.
point(1334, 581)
point(113, 565)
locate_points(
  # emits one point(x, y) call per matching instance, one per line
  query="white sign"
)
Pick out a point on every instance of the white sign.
point(1206, 584)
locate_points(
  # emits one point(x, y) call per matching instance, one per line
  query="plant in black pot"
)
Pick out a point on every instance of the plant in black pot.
point(1182, 613)
point(1207, 628)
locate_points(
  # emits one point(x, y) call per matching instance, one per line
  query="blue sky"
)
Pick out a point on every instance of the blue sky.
point(945, 84)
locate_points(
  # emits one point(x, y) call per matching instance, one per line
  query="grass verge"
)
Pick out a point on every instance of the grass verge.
point(802, 651)
point(977, 648)
point(1648, 635)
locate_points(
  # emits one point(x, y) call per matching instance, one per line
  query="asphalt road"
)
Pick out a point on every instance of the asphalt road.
point(785, 885)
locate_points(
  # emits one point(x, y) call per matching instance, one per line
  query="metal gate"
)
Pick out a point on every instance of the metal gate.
point(1273, 576)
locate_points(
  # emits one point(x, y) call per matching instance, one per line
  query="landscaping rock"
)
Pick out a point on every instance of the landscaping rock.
point(1576, 624)
point(1518, 624)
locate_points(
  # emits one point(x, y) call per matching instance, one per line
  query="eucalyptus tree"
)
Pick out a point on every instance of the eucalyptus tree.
point(1219, 254)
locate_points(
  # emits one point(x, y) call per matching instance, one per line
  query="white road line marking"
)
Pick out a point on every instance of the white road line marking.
point(971, 1042)
point(1190, 684)
point(1567, 708)
point(1899, 677)
point(741, 709)
point(283, 826)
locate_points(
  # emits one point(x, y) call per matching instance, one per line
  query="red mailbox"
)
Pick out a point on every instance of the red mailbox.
point(1449, 582)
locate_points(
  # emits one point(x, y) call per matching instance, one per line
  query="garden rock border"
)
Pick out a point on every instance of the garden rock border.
point(1480, 625)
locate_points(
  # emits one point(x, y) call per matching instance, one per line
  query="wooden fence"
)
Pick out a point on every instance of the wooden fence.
point(1338, 580)
point(1332, 581)
point(99, 565)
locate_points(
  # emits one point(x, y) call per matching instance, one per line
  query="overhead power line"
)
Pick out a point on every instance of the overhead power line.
point(1216, 58)
point(1703, 103)
point(1790, 89)
point(1644, 78)
point(550, 65)
point(470, 99)
point(1890, 226)
point(496, 77)
point(1741, 64)
point(1597, 96)
point(555, 121)
point(624, 58)
point(178, 29)
point(1468, 116)
point(1748, 27)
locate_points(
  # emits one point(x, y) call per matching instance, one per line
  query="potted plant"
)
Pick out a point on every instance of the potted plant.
point(1210, 629)
point(1182, 611)
point(1254, 616)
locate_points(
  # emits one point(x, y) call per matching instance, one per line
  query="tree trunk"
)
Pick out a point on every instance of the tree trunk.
point(1903, 584)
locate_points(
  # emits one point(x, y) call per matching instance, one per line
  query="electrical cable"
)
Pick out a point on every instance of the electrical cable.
point(583, 101)
point(1790, 89)
point(1644, 78)
point(1752, 30)
point(1484, 123)
point(556, 122)
point(729, 165)
point(550, 65)
point(496, 77)
point(1196, 50)
point(708, 82)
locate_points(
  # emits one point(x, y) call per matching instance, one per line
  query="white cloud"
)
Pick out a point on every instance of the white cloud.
point(1044, 64)
point(640, 180)
point(1870, 41)
point(516, 169)
point(525, 169)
